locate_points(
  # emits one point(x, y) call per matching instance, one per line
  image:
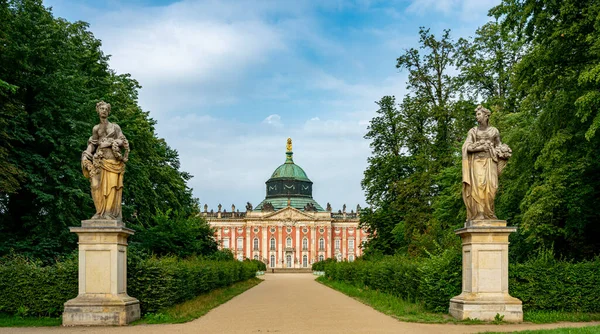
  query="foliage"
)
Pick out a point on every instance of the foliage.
point(199, 305)
point(542, 283)
point(29, 288)
point(174, 234)
point(535, 65)
point(320, 265)
point(52, 72)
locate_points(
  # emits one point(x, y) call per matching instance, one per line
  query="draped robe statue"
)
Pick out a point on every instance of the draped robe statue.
point(483, 159)
point(103, 163)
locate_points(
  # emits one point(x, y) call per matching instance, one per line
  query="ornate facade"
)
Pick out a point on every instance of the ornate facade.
point(288, 229)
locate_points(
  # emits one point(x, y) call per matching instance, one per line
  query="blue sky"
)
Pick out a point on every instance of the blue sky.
point(229, 81)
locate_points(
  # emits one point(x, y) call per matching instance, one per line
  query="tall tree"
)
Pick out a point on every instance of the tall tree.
point(554, 124)
point(52, 72)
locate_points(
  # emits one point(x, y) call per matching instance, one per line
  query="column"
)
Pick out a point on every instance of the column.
point(279, 247)
point(485, 273)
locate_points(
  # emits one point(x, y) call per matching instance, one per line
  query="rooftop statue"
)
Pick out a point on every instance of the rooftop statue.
point(289, 145)
point(483, 159)
point(104, 164)
point(248, 206)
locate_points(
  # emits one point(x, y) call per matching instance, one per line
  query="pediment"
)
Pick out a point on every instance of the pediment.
point(290, 214)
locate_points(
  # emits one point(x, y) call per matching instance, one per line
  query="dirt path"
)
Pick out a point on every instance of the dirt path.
point(293, 303)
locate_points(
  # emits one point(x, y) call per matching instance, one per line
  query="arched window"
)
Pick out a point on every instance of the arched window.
point(255, 243)
point(304, 244)
point(304, 261)
point(256, 257)
point(337, 243)
point(272, 243)
point(351, 244)
point(321, 258)
point(272, 262)
point(288, 242)
point(321, 244)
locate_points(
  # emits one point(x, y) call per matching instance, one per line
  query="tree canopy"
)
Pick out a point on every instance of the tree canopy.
point(535, 64)
point(52, 73)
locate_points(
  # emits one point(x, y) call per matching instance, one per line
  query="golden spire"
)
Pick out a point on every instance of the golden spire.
point(289, 145)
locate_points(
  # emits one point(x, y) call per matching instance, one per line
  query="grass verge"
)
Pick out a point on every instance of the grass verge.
point(415, 312)
point(391, 305)
point(15, 321)
point(564, 330)
point(198, 306)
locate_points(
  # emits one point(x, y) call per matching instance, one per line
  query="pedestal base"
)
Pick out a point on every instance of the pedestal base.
point(101, 311)
point(475, 306)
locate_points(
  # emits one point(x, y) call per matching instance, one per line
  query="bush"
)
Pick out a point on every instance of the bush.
point(542, 283)
point(320, 265)
point(28, 288)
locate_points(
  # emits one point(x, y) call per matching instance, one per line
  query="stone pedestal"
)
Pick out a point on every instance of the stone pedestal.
point(102, 298)
point(485, 273)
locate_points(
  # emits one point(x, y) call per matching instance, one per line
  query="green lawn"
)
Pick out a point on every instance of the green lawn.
point(580, 330)
point(198, 306)
point(183, 312)
point(414, 312)
point(14, 321)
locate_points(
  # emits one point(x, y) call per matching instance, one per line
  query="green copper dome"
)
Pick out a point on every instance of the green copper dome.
point(290, 170)
point(289, 185)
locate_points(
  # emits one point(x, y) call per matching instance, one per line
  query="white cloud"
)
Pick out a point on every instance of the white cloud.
point(274, 120)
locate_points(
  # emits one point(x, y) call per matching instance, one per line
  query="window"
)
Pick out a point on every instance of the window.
point(272, 243)
point(305, 230)
point(272, 230)
point(288, 243)
point(351, 258)
point(272, 262)
point(289, 230)
point(288, 260)
point(240, 230)
point(256, 229)
point(321, 230)
point(321, 258)
point(240, 244)
point(304, 261)
point(225, 243)
point(351, 244)
point(256, 257)
point(304, 244)
point(321, 244)
point(255, 243)
point(337, 243)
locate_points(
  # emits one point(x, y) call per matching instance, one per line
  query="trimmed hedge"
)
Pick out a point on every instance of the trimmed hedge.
point(541, 283)
point(28, 288)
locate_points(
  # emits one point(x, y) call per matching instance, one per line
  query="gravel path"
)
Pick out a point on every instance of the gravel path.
point(293, 303)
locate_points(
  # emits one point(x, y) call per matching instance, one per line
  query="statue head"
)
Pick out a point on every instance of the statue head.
point(103, 109)
point(482, 114)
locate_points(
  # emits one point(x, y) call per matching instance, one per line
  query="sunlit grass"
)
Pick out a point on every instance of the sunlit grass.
point(198, 306)
point(564, 330)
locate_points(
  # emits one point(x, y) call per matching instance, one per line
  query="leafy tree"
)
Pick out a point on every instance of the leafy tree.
point(52, 72)
point(553, 191)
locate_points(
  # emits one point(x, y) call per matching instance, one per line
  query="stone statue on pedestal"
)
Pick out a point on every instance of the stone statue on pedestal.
point(484, 293)
point(483, 159)
point(102, 299)
point(104, 164)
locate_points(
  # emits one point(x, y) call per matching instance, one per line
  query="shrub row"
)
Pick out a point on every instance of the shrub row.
point(28, 288)
point(542, 283)
point(431, 281)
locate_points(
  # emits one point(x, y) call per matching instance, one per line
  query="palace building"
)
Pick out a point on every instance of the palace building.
point(288, 229)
